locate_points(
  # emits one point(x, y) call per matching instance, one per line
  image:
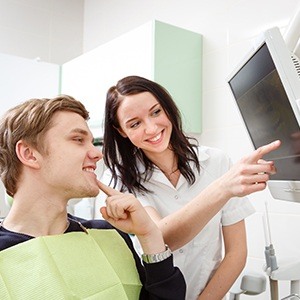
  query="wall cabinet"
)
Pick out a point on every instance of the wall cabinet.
point(167, 54)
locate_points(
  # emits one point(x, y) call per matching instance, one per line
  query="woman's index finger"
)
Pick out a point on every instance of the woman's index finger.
point(263, 150)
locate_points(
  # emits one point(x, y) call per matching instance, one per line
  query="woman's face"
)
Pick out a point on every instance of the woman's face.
point(145, 123)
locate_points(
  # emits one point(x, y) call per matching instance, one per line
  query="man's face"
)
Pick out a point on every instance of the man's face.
point(68, 166)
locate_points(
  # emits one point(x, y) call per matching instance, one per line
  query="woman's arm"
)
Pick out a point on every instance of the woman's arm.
point(231, 266)
point(247, 176)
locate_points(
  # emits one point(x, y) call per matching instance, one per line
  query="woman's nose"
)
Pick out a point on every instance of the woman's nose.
point(150, 127)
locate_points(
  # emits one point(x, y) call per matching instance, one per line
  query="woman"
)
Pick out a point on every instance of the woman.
point(181, 185)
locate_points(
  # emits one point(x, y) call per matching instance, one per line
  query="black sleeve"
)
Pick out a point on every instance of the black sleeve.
point(161, 281)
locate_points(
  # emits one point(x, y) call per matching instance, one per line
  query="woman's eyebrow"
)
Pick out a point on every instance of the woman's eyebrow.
point(134, 118)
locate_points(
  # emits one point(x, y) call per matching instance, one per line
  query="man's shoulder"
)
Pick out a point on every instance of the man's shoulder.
point(97, 224)
point(93, 223)
point(9, 238)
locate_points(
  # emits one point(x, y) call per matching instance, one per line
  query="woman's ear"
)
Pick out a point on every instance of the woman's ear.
point(123, 134)
point(26, 154)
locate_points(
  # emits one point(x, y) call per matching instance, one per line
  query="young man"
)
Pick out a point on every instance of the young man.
point(48, 157)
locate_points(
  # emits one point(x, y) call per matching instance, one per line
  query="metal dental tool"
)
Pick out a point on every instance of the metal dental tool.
point(271, 261)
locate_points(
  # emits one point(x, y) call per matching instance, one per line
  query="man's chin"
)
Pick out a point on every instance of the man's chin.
point(90, 193)
point(93, 193)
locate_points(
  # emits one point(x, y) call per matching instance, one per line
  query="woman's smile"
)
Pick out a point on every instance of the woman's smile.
point(157, 139)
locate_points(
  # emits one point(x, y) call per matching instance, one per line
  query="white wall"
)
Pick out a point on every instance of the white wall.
point(21, 79)
point(228, 28)
point(49, 29)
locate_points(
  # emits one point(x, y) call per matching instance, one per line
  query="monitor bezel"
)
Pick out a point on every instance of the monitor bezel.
point(288, 190)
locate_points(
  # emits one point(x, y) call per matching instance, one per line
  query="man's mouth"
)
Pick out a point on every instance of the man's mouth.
point(89, 169)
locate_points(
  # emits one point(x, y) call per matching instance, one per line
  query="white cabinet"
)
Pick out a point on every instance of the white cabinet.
point(23, 78)
point(169, 55)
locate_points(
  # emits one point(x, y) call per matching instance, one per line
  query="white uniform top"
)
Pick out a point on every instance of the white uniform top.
point(201, 257)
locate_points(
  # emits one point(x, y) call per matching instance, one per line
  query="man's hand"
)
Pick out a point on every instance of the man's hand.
point(126, 213)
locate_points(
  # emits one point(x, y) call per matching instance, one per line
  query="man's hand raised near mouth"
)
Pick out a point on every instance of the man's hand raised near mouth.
point(126, 213)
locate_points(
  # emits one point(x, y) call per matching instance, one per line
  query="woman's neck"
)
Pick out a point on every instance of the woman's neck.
point(168, 164)
point(166, 161)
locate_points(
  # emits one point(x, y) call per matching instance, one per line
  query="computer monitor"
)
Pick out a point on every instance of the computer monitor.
point(266, 88)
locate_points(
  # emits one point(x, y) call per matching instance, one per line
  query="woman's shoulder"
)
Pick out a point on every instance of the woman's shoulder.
point(214, 159)
point(206, 152)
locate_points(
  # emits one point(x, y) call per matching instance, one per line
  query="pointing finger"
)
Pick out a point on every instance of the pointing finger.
point(263, 150)
point(109, 191)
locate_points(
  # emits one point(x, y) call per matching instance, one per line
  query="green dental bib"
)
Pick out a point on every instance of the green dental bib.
point(76, 265)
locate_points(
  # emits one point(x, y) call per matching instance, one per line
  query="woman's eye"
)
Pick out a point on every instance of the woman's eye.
point(156, 112)
point(134, 125)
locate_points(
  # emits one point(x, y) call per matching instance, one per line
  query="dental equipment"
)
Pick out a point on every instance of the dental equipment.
point(286, 270)
point(253, 284)
point(271, 261)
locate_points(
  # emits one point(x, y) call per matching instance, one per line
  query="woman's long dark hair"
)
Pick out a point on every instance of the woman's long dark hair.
point(121, 156)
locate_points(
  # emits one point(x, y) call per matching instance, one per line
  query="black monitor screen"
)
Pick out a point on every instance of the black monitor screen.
point(267, 112)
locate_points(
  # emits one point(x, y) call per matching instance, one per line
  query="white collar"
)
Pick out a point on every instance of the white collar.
point(202, 153)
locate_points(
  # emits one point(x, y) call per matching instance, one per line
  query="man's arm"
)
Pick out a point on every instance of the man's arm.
point(162, 280)
point(126, 213)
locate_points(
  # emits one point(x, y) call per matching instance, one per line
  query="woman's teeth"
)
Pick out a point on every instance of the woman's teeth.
point(156, 138)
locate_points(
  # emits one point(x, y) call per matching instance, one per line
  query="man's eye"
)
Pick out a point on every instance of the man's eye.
point(78, 139)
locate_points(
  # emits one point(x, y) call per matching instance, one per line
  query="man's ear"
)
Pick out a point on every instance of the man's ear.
point(27, 154)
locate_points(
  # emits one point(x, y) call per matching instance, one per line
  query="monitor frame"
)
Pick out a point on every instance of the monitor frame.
point(282, 57)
